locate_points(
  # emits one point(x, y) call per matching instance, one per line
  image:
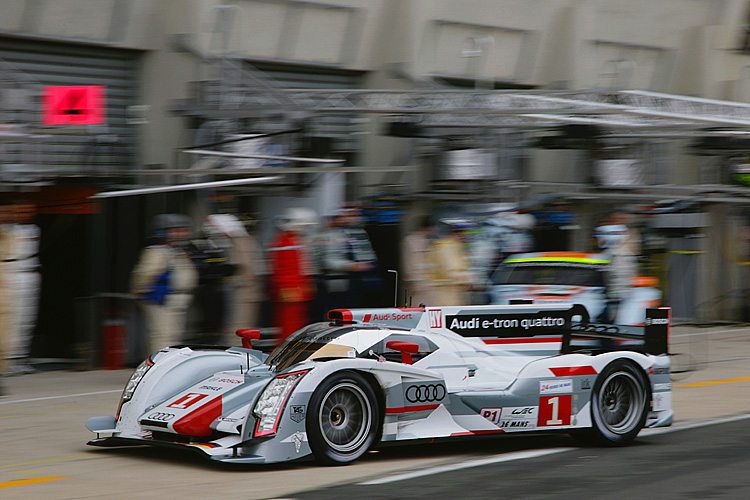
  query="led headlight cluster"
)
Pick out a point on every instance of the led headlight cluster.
point(271, 402)
point(135, 379)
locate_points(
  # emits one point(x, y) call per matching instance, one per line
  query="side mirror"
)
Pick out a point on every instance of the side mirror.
point(405, 348)
point(247, 336)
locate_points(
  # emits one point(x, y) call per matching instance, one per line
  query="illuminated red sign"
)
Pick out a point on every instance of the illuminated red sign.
point(73, 105)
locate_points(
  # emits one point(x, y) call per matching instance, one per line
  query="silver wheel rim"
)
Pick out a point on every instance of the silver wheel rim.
point(345, 417)
point(620, 401)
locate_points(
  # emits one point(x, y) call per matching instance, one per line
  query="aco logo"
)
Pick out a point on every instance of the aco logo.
point(425, 393)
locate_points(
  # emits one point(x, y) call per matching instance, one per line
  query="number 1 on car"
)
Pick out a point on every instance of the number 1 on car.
point(554, 410)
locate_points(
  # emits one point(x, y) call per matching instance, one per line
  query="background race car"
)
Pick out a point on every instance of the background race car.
point(570, 277)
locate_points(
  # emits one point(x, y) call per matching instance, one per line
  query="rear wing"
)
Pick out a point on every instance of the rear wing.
point(652, 338)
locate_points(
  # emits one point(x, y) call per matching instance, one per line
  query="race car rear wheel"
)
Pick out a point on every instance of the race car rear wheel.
point(619, 404)
point(344, 419)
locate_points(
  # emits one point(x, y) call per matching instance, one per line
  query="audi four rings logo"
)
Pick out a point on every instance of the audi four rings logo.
point(425, 393)
point(161, 417)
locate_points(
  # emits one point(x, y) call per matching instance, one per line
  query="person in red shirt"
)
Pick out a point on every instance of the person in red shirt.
point(292, 276)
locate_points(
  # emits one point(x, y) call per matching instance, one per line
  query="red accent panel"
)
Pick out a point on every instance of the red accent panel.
point(571, 371)
point(405, 348)
point(530, 340)
point(198, 422)
point(346, 314)
point(406, 409)
point(367, 319)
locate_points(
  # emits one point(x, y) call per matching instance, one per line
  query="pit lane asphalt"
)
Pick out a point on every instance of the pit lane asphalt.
point(43, 452)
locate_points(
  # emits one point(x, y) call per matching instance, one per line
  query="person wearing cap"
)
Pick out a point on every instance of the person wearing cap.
point(292, 284)
point(165, 278)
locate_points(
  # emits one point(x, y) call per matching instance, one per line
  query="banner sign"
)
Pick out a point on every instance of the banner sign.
point(73, 105)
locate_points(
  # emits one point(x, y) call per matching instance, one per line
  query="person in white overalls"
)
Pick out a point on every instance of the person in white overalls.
point(26, 283)
point(167, 260)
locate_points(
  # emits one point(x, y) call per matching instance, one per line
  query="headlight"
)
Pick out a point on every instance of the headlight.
point(271, 402)
point(135, 378)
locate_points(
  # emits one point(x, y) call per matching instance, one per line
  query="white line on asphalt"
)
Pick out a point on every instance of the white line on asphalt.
point(520, 455)
point(693, 425)
point(505, 457)
point(59, 397)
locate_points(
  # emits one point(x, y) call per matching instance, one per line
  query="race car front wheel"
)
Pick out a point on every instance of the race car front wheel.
point(345, 419)
point(619, 404)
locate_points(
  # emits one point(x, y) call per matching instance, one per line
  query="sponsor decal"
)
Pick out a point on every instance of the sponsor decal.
point(554, 410)
point(225, 380)
point(663, 387)
point(387, 317)
point(425, 393)
point(491, 414)
point(662, 401)
point(227, 419)
point(585, 384)
point(297, 413)
point(519, 417)
point(436, 318)
point(657, 321)
point(187, 400)
point(161, 416)
point(211, 388)
point(506, 325)
point(297, 438)
point(555, 386)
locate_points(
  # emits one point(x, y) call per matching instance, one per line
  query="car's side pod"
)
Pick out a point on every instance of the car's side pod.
point(652, 338)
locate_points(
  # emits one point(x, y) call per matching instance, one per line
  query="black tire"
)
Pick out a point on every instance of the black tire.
point(344, 419)
point(619, 405)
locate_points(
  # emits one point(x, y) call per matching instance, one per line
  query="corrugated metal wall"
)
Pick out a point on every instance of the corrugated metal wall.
point(76, 148)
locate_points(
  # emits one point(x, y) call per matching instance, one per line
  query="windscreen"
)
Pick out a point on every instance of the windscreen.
point(311, 342)
point(553, 273)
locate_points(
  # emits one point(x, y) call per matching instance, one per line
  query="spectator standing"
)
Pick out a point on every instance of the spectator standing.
point(246, 286)
point(291, 278)
point(349, 262)
point(165, 278)
point(613, 239)
point(26, 280)
point(416, 261)
point(451, 275)
point(211, 258)
point(6, 251)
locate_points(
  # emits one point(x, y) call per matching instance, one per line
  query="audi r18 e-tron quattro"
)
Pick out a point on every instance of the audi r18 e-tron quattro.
point(335, 389)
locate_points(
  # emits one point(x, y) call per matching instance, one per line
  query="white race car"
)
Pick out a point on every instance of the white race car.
point(570, 277)
point(335, 389)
